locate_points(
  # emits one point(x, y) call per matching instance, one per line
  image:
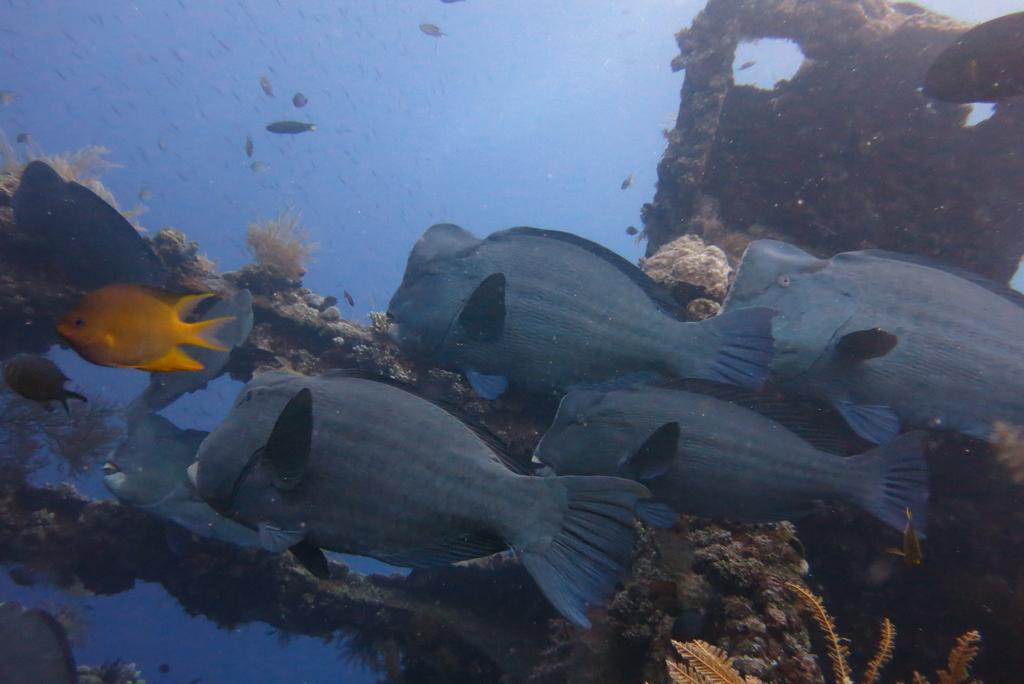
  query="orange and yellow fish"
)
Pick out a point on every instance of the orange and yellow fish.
point(911, 552)
point(134, 326)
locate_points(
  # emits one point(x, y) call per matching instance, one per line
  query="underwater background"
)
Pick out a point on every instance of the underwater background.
point(523, 113)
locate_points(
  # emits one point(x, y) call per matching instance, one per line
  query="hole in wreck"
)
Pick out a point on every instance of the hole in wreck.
point(980, 111)
point(764, 62)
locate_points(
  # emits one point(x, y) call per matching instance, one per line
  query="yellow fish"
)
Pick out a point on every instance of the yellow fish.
point(911, 552)
point(133, 326)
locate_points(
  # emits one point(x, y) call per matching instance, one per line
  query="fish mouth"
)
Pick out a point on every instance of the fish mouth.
point(193, 474)
point(111, 468)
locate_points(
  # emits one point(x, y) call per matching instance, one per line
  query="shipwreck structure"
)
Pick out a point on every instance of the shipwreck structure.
point(847, 154)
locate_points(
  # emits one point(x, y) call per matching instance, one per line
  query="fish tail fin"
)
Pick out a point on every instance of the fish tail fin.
point(205, 334)
point(186, 304)
point(745, 348)
point(577, 559)
point(895, 479)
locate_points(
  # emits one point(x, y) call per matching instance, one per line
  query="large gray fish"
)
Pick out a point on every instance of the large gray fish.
point(890, 339)
point(705, 456)
point(547, 310)
point(165, 388)
point(34, 648)
point(359, 466)
point(149, 470)
point(985, 64)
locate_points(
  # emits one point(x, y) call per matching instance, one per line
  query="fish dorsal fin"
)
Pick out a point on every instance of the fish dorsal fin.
point(863, 345)
point(928, 262)
point(658, 294)
point(287, 450)
point(655, 456)
point(483, 315)
point(495, 443)
point(816, 423)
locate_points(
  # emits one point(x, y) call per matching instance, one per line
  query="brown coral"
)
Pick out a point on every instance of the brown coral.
point(281, 245)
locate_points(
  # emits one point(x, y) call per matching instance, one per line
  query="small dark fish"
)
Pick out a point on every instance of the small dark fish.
point(547, 310)
point(448, 2)
point(631, 230)
point(986, 64)
point(164, 668)
point(24, 138)
point(348, 298)
point(911, 552)
point(259, 167)
point(432, 30)
point(703, 455)
point(266, 85)
point(865, 331)
point(446, 495)
point(39, 379)
point(628, 183)
point(290, 127)
point(8, 97)
point(248, 146)
point(299, 100)
point(746, 65)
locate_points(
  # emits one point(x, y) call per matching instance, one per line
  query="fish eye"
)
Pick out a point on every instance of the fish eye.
point(783, 280)
point(79, 322)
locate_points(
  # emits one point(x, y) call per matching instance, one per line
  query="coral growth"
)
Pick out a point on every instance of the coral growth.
point(692, 270)
point(704, 664)
point(281, 245)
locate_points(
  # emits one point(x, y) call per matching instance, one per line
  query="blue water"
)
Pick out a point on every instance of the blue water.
point(526, 113)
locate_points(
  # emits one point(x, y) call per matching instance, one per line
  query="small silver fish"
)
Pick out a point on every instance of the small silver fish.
point(432, 30)
point(248, 147)
point(628, 183)
point(746, 65)
point(299, 100)
point(266, 85)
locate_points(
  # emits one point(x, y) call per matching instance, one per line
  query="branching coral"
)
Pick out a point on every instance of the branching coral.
point(958, 667)
point(886, 642)
point(704, 664)
point(838, 652)
point(281, 245)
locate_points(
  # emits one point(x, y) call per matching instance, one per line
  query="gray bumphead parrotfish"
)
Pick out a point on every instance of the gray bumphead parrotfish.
point(149, 470)
point(985, 64)
point(355, 465)
point(165, 388)
point(39, 379)
point(890, 339)
point(706, 456)
point(546, 310)
point(34, 648)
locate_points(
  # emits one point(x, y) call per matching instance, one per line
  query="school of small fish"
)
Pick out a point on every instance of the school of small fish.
point(656, 416)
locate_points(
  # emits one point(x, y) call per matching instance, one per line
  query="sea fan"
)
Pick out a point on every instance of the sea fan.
point(838, 652)
point(280, 245)
point(883, 654)
point(704, 664)
point(958, 667)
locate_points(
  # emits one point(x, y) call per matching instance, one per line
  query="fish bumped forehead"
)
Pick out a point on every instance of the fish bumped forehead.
point(767, 263)
point(440, 241)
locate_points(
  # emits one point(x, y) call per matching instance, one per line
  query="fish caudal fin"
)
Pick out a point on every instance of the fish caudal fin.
point(745, 347)
point(205, 334)
point(581, 562)
point(895, 478)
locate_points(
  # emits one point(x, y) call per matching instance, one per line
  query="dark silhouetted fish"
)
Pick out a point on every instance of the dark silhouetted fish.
point(631, 230)
point(432, 30)
point(165, 388)
point(547, 310)
point(34, 648)
point(890, 339)
point(299, 100)
point(628, 183)
point(705, 456)
point(266, 86)
point(986, 64)
point(290, 127)
point(746, 65)
point(39, 379)
point(248, 146)
point(361, 466)
point(348, 298)
point(149, 470)
point(88, 240)
point(24, 138)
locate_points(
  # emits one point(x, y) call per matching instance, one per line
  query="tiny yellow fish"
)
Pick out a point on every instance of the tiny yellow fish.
point(134, 326)
point(911, 552)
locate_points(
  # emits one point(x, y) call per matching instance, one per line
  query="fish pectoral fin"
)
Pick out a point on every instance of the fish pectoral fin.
point(862, 345)
point(287, 449)
point(655, 456)
point(487, 386)
point(312, 558)
point(276, 540)
point(204, 333)
point(174, 360)
point(873, 422)
point(483, 315)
